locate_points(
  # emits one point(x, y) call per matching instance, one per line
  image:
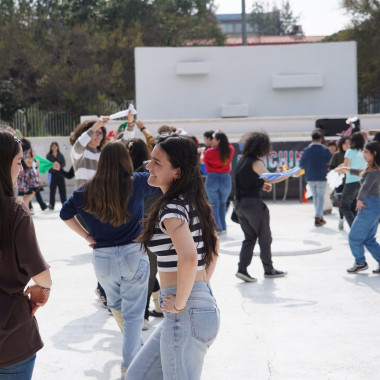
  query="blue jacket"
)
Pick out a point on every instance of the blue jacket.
point(314, 160)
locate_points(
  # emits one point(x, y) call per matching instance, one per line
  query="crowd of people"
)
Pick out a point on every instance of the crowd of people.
point(121, 183)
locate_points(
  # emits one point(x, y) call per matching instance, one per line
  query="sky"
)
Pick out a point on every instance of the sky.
point(317, 17)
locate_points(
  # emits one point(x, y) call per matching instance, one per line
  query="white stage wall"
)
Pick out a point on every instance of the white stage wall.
point(317, 79)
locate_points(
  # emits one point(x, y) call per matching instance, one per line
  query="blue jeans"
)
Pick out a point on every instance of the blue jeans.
point(176, 349)
point(318, 189)
point(123, 272)
point(19, 371)
point(363, 230)
point(218, 188)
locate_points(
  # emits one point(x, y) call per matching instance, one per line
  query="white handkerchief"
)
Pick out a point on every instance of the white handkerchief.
point(334, 179)
point(120, 114)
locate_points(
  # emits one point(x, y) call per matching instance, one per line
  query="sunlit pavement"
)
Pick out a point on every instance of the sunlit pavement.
point(317, 323)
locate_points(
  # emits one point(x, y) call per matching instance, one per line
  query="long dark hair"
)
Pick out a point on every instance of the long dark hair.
point(256, 144)
point(341, 142)
point(182, 153)
point(223, 146)
point(83, 127)
point(107, 193)
point(374, 148)
point(9, 148)
point(54, 143)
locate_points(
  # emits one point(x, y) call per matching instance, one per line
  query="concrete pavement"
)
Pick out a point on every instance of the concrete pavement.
point(317, 323)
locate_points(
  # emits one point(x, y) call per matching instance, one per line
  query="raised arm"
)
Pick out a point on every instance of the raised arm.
point(80, 145)
point(148, 136)
point(129, 133)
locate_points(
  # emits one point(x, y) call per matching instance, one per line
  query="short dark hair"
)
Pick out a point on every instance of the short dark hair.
point(208, 134)
point(357, 141)
point(317, 134)
point(331, 143)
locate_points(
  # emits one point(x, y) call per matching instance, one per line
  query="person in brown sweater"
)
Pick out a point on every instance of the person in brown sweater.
point(20, 261)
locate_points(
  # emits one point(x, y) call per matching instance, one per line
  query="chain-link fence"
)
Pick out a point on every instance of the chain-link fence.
point(36, 122)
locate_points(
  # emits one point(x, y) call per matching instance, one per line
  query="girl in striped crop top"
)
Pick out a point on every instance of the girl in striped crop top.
point(161, 244)
point(181, 231)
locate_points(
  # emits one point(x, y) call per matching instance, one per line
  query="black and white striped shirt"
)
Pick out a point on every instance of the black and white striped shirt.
point(161, 244)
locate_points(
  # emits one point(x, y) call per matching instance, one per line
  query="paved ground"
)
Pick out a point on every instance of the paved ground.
point(317, 323)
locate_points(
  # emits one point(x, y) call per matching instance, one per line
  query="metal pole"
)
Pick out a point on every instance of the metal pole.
point(244, 24)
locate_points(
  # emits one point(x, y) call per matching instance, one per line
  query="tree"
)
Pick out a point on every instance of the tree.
point(365, 31)
point(271, 20)
point(361, 10)
point(76, 54)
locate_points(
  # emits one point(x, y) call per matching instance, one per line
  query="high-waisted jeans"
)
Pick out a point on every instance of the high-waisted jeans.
point(176, 349)
point(363, 230)
point(123, 272)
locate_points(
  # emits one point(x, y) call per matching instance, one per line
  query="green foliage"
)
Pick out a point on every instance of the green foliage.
point(269, 20)
point(365, 31)
point(76, 54)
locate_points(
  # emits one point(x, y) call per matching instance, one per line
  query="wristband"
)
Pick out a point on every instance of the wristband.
point(142, 129)
point(179, 309)
point(45, 289)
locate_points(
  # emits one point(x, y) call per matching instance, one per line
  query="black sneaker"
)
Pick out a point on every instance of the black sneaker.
point(154, 313)
point(377, 270)
point(245, 277)
point(102, 297)
point(274, 273)
point(357, 268)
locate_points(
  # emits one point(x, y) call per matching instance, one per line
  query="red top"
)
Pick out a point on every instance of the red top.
point(213, 162)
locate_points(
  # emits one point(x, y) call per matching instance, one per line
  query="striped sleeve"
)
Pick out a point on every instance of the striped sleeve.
point(176, 210)
point(80, 145)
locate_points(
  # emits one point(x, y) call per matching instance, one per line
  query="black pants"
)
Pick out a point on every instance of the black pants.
point(254, 219)
point(39, 200)
point(348, 201)
point(57, 180)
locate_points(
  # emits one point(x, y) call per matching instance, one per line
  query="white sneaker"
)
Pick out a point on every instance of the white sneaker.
point(341, 225)
point(145, 325)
